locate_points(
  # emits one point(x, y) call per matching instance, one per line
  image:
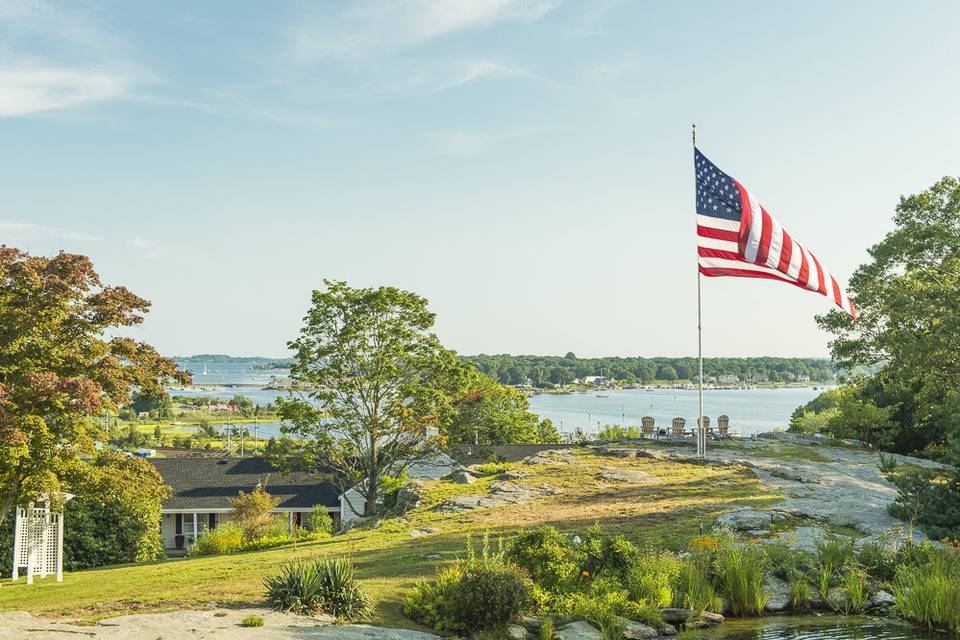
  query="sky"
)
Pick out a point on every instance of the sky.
point(525, 165)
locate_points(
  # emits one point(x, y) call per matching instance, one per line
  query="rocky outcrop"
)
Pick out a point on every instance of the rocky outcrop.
point(632, 476)
point(677, 615)
point(637, 631)
point(746, 520)
point(881, 601)
point(778, 592)
point(461, 476)
point(501, 494)
point(578, 630)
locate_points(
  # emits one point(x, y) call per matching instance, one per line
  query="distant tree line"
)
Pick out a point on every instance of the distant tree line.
point(545, 371)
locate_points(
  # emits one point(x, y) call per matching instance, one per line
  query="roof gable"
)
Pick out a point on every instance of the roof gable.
point(209, 483)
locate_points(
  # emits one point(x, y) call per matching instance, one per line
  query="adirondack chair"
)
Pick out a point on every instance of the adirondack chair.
point(704, 423)
point(723, 424)
point(647, 426)
point(677, 428)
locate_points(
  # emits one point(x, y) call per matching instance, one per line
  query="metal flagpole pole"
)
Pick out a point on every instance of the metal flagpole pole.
point(701, 431)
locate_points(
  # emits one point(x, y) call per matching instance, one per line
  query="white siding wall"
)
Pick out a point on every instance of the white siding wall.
point(354, 498)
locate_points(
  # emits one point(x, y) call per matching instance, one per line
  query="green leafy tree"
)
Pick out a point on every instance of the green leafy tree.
point(114, 517)
point(253, 512)
point(490, 413)
point(909, 321)
point(58, 370)
point(666, 372)
point(375, 377)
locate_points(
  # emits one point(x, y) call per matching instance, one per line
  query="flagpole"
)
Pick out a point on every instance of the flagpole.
point(701, 432)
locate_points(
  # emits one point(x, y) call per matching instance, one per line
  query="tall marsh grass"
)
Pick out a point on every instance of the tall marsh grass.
point(739, 571)
point(929, 595)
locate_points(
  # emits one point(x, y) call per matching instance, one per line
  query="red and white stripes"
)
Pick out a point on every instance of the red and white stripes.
point(757, 246)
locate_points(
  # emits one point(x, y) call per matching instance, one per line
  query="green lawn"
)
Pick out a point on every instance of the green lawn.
point(666, 512)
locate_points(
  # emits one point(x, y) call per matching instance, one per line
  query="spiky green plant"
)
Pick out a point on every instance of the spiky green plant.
point(325, 585)
point(739, 571)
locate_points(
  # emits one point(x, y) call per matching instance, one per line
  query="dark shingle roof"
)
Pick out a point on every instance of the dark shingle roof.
point(200, 483)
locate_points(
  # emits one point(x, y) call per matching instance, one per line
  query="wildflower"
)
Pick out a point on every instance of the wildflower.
point(585, 574)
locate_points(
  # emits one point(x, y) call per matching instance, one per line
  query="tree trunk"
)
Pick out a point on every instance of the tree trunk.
point(373, 472)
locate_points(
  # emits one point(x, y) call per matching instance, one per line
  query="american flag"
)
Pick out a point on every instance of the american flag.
point(737, 237)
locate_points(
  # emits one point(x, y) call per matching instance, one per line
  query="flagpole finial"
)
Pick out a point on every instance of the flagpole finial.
point(693, 133)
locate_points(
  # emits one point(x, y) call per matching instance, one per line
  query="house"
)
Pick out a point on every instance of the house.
point(203, 487)
point(595, 380)
point(728, 379)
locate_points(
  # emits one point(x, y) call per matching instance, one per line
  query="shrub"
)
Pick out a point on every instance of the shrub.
point(227, 538)
point(252, 621)
point(739, 571)
point(651, 579)
point(548, 556)
point(878, 560)
point(493, 468)
point(252, 512)
point(602, 606)
point(324, 585)
point(114, 518)
point(469, 596)
point(606, 556)
point(320, 521)
point(929, 497)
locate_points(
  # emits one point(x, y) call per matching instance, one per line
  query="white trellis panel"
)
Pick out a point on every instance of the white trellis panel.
point(38, 543)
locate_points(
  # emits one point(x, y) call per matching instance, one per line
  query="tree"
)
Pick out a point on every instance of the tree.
point(909, 321)
point(666, 372)
point(375, 377)
point(57, 368)
point(253, 512)
point(487, 412)
point(243, 404)
point(114, 516)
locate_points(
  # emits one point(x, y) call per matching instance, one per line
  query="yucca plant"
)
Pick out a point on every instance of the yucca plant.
point(343, 597)
point(324, 585)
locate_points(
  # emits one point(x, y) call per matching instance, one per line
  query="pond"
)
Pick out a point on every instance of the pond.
point(814, 628)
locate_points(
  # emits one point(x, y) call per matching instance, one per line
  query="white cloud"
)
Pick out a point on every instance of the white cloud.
point(54, 57)
point(32, 88)
point(26, 232)
point(374, 26)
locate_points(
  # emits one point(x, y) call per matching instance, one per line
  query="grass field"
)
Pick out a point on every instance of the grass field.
point(664, 512)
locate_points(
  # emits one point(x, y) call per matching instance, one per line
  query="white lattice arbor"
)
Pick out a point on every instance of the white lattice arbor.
point(38, 542)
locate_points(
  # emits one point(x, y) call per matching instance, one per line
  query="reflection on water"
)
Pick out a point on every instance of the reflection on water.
point(814, 628)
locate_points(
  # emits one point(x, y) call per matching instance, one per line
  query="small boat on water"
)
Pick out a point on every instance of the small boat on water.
point(602, 395)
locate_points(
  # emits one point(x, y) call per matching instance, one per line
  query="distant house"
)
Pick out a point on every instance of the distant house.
point(803, 378)
point(728, 379)
point(595, 379)
point(203, 487)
